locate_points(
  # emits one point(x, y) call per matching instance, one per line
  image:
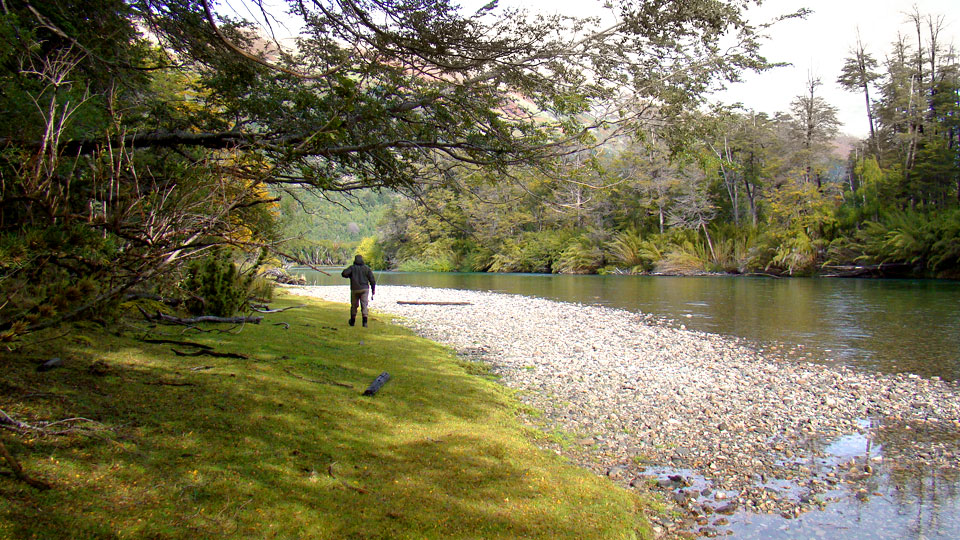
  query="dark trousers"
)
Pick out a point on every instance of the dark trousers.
point(361, 298)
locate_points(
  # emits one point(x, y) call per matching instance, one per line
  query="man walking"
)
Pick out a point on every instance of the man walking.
point(362, 287)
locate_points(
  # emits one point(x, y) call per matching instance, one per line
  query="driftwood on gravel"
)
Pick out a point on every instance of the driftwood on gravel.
point(418, 303)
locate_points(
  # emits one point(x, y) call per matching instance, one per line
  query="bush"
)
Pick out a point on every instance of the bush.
point(535, 252)
point(436, 264)
point(684, 257)
point(215, 286)
point(582, 256)
point(927, 241)
point(476, 259)
point(629, 250)
point(372, 253)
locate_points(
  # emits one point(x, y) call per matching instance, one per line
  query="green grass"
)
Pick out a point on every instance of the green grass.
point(269, 448)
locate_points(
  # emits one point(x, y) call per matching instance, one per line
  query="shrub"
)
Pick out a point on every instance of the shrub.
point(582, 256)
point(629, 250)
point(532, 252)
point(372, 253)
point(436, 264)
point(684, 257)
point(215, 286)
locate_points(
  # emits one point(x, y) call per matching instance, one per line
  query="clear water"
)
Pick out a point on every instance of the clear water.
point(892, 326)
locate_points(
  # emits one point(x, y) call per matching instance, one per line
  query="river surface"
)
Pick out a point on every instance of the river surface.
point(891, 326)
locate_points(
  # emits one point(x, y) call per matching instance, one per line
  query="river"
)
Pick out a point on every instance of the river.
point(891, 326)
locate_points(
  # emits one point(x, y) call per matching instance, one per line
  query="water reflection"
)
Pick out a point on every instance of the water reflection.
point(886, 325)
point(894, 481)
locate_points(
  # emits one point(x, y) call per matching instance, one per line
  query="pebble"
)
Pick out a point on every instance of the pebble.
point(734, 414)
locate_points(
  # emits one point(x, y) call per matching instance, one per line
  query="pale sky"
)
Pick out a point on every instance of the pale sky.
point(822, 41)
point(817, 44)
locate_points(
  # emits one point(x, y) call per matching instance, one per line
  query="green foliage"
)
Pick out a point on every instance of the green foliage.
point(215, 286)
point(927, 241)
point(476, 258)
point(534, 252)
point(261, 289)
point(582, 256)
point(628, 249)
point(53, 273)
point(429, 265)
point(328, 229)
point(372, 253)
point(685, 254)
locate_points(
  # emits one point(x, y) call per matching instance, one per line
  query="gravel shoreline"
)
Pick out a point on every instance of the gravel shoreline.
point(716, 424)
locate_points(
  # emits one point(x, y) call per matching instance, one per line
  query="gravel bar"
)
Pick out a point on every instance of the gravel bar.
point(717, 424)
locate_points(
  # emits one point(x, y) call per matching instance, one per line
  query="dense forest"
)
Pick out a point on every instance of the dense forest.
point(172, 151)
point(152, 147)
point(724, 190)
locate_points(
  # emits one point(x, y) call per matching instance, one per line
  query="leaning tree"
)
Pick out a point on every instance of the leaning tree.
point(137, 134)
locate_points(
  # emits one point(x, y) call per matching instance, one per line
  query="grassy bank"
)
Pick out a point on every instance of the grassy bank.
point(282, 444)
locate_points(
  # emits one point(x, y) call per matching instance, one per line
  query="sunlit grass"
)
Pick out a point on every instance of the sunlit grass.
point(275, 446)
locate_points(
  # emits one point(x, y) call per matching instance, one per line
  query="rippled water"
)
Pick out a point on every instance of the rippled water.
point(885, 325)
point(889, 326)
point(914, 503)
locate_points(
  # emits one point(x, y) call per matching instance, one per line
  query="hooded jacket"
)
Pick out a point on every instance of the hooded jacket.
point(361, 276)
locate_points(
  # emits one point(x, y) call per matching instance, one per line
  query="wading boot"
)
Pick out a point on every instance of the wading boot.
point(352, 321)
point(364, 322)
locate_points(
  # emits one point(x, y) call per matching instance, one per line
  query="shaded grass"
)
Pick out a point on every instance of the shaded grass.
point(270, 448)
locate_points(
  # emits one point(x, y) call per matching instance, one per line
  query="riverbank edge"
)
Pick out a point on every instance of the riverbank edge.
point(278, 441)
point(826, 413)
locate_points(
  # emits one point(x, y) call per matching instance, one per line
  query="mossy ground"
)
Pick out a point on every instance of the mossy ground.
point(275, 446)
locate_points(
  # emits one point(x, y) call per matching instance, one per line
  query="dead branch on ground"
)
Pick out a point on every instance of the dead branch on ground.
point(318, 381)
point(18, 470)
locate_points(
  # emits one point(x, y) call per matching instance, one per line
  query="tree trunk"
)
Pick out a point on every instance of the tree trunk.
point(713, 254)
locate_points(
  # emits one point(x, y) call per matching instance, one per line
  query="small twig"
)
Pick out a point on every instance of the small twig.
point(44, 394)
point(342, 481)
point(325, 381)
point(200, 368)
point(212, 353)
point(169, 383)
point(77, 419)
point(254, 308)
point(9, 423)
point(18, 470)
point(17, 426)
point(285, 326)
point(178, 342)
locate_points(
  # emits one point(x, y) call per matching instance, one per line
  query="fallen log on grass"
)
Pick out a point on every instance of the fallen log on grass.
point(377, 384)
point(319, 381)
